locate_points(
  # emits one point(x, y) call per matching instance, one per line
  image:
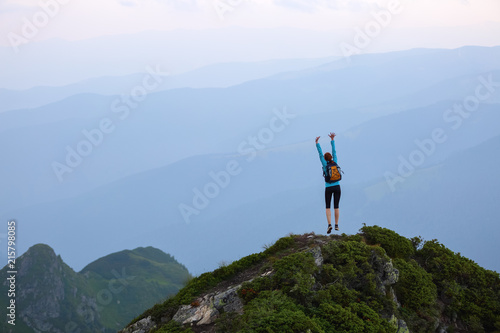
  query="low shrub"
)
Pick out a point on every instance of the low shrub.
point(395, 245)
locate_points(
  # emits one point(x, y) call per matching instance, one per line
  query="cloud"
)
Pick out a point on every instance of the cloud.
point(111, 17)
point(186, 5)
point(129, 3)
point(318, 5)
point(21, 5)
point(181, 5)
point(308, 6)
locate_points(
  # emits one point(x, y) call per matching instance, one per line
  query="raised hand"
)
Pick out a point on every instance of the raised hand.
point(332, 135)
point(317, 139)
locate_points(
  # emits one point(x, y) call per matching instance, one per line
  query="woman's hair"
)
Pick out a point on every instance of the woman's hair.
point(328, 156)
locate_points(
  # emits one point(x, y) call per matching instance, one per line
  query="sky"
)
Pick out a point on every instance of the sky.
point(83, 19)
point(35, 34)
point(60, 42)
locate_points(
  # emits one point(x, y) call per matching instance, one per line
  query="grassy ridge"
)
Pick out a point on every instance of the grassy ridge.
point(436, 288)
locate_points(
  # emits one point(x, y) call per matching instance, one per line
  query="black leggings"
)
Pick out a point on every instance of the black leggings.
point(335, 192)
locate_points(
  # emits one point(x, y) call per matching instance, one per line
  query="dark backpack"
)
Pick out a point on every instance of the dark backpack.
point(333, 173)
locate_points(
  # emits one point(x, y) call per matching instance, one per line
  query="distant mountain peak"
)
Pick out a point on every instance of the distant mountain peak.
point(103, 297)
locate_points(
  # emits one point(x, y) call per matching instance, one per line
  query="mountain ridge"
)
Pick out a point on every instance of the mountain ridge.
point(229, 74)
point(373, 281)
point(102, 297)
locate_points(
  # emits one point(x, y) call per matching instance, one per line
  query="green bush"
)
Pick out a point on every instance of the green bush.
point(284, 243)
point(228, 322)
point(250, 290)
point(352, 264)
point(357, 317)
point(174, 327)
point(286, 267)
point(415, 288)
point(293, 274)
point(373, 322)
point(273, 311)
point(358, 267)
point(337, 294)
point(471, 292)
point(395, 245)
point(342, 319)
point(346, 259)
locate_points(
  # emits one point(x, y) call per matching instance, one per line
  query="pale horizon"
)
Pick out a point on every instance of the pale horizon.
point(71, 19)
point(60, 42)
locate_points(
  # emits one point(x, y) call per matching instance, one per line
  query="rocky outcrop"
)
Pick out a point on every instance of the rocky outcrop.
point(399, 324)
point(47, 288)
point(206, 309)
point(142, 326)
point(387, 274)
point(318, 257)
point(402, 327)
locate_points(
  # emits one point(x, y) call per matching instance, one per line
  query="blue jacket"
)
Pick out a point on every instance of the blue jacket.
point(323, 161)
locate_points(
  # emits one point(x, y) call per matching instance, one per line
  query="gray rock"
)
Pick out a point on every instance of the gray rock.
point(142, 326)
point(391, 274)
point(187, 314)
point(210, 307)
point(320, 241)
point(318, 257)
point(229, 301)
point(399, 324)
point(203, 313)
point(387, 274)
point(264, 274)
point(443, 329)
point(402, 327)
point(394, 297)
